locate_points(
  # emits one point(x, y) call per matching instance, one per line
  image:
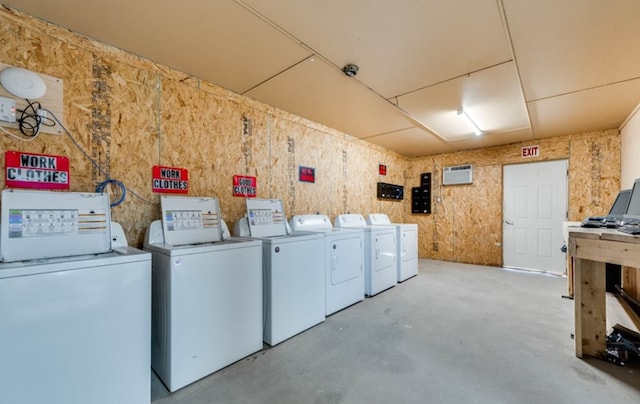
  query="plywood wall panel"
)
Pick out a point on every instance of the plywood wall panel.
point(361, 177)
point(229, 159)
point(466, 220)
point(318, 152)
point(594, 171)
point(280, 172)
point(477, 223)
point(253, 145)
point(134, 143)
point(154, 115)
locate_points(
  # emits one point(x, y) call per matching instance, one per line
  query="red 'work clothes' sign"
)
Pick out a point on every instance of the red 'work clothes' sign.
point(170, 180)
point(36, 171)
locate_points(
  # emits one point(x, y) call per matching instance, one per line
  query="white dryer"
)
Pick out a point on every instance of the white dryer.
point(380, 268)
point(407, 244)
point(344, 260)
point(294, 298)
point(75, 302)
point(207, 292)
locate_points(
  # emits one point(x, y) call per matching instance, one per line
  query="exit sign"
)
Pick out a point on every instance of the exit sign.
point(530, 151)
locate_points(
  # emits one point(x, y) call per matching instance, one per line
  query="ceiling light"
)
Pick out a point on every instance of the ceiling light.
point(472, 125)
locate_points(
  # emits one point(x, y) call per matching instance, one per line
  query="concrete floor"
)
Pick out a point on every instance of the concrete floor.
point(456, 333)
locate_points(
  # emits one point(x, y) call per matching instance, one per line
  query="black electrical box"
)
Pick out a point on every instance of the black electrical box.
point(390, 191)
point(421, 200)
point(425, 180)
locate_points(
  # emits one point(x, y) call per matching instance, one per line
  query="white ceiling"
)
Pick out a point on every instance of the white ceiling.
point(522, 69)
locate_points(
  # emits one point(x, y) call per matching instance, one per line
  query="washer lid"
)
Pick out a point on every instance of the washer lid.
point(190, 220)
point(350, 220)
point(378, 218)
point(311, 222)
point(266, 217)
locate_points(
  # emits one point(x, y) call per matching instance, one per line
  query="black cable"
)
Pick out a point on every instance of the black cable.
point(30, 121)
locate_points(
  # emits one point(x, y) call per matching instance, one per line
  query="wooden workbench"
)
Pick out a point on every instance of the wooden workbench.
point(590, 249)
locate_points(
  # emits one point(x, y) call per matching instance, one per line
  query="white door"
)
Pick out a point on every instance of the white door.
point(534, 207)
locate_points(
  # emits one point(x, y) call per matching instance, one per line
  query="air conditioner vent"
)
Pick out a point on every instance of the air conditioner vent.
point(457, 175)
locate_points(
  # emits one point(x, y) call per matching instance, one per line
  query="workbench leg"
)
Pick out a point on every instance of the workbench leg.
point(590, 307)
point(570, 275)
point(631, 282)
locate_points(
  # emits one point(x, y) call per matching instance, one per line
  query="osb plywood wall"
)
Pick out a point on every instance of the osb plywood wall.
point(131, 114)
point(466, 220)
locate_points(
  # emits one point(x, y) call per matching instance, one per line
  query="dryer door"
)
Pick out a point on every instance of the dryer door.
point(346, 258)
point(385, 250)
point(409, 244)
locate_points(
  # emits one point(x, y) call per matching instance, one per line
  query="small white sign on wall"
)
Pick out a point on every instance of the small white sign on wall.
point(530, 151)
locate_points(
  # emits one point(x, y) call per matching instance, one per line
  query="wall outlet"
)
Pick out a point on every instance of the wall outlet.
point(7, 110)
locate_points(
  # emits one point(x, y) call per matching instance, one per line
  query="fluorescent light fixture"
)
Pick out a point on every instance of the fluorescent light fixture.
point(472, 125)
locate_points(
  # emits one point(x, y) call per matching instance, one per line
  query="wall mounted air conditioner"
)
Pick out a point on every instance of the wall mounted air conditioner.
point(457, 175)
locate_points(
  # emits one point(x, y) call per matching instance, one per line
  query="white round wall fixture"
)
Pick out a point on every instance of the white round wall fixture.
point(22, 83)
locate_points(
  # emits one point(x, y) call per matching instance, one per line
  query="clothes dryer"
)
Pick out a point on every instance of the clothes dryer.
point(293, 264)
point(344, 260)
point(207, 292)
point(380, 268)
point(407, 244)
point(75, 302)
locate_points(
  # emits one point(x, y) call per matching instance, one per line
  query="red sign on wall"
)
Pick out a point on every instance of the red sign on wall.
point(382, 169)
point(170, 180)
point(37, 171)
point(530, 151)
point(307, 174)
point(244, 186)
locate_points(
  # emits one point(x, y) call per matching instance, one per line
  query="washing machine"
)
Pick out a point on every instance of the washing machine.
point(206, 295)
point(293, 265)
point(407, 244)
point(380, 266)
point(75, 302)
point(343, 257)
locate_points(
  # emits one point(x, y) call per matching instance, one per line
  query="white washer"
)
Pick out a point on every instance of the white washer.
point(294, 298)
point(207, 292)
point(407, 244)
point(344, 260)
point(380, 267)
point(73, 329)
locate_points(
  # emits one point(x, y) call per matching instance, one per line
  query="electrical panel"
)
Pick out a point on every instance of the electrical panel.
point(390, 191)
point(420, 200)
point(421, 196)
point(425, 180)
